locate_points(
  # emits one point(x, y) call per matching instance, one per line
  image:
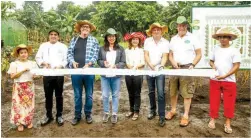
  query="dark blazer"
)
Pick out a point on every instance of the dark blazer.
point(120, 61)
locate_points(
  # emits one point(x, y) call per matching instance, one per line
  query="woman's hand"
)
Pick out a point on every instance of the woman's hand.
point(35, 77)
point(106, 64)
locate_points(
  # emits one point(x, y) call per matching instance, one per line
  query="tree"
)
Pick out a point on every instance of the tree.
point(87, 12)
point(126, 16)
point(6, 6)
point(32, 15)
point(62, 8)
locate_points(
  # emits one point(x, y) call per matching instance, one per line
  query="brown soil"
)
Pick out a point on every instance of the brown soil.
point(126, 127)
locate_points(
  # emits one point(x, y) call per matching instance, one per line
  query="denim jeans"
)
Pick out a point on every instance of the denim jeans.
point(134, 84)
point(110, 84)
point(160, 82)
point(78, 81)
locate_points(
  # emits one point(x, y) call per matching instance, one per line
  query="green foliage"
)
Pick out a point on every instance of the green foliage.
point(63, 7)
point(32, 15)
point(6, 6)
point(87, 12)
point(97, 78)
point(6, 58)
point(125, 16)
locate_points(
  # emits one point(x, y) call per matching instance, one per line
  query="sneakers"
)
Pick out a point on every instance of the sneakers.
point(75, 121)
point(46, 121)
point(151, 115)
point(114, 119)
point(105, 117)
point(60, 120)
point(162, 121)
point(88, 119)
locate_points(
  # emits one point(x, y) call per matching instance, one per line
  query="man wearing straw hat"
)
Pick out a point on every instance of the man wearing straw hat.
point(156, 50)
point(52, 55)
point(225, 59)
point(83, 53)
point(185, 53)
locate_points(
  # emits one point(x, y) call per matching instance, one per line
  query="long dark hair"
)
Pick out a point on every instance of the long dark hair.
point(107, 44)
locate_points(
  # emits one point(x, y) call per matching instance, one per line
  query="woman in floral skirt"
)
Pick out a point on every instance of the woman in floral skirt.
point(23, 95)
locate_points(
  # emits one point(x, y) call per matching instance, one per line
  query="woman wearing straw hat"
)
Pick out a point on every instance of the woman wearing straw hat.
point(111, 56)
point(226, 61)
point(134, 60)
point(156, 50)
point(23, 95)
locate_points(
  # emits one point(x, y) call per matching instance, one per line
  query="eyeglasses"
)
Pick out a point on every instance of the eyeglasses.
point(224, 37)
point(85, 26)
point(156, 29)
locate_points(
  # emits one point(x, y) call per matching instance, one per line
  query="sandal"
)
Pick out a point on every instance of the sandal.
point(170, 115)
point(20, 128)
point(30, 126)
point(211, 124)
point(227, 129)
point(184, 122)
point(135, 116)
point(129, 114)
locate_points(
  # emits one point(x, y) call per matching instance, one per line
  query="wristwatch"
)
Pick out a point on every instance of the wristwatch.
point(161, 67)
point(193, 65)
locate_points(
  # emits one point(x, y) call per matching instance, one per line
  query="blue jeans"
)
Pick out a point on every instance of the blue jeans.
point(160, 82)
point(110, 84)
point(78, 81)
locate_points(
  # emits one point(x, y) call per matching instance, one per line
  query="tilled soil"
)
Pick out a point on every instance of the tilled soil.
point(126, 127)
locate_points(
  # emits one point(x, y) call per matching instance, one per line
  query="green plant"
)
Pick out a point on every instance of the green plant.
point(97, 78)
point(6, 57)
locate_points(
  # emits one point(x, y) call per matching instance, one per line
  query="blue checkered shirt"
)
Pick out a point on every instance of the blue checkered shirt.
point(92, 48)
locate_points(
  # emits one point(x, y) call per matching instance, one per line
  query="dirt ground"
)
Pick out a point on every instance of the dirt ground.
point(126, 127)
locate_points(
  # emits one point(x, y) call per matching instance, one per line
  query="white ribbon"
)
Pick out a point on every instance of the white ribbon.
point(104, 71)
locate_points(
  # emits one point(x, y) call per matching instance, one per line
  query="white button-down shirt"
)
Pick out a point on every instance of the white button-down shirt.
point(184, 48)
point(53, 54)
point(156, 50)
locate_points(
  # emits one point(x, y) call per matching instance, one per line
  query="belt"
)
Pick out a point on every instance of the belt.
point(185, 65)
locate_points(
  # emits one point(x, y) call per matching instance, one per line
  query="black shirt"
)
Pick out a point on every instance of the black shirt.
point(80, 51)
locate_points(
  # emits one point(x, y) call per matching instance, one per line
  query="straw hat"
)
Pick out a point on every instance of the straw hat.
point(139, 35)
point(21, 46)
point(224, 32)
point(82, 22)
point(164, 28)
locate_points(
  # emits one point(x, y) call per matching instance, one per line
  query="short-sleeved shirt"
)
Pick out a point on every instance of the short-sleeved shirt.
point(223, 60)
point(156, 50)
point(135, 56)
point(18, 66)
point(183, 48)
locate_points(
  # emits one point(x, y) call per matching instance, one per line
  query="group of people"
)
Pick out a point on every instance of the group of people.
point(152, 53)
